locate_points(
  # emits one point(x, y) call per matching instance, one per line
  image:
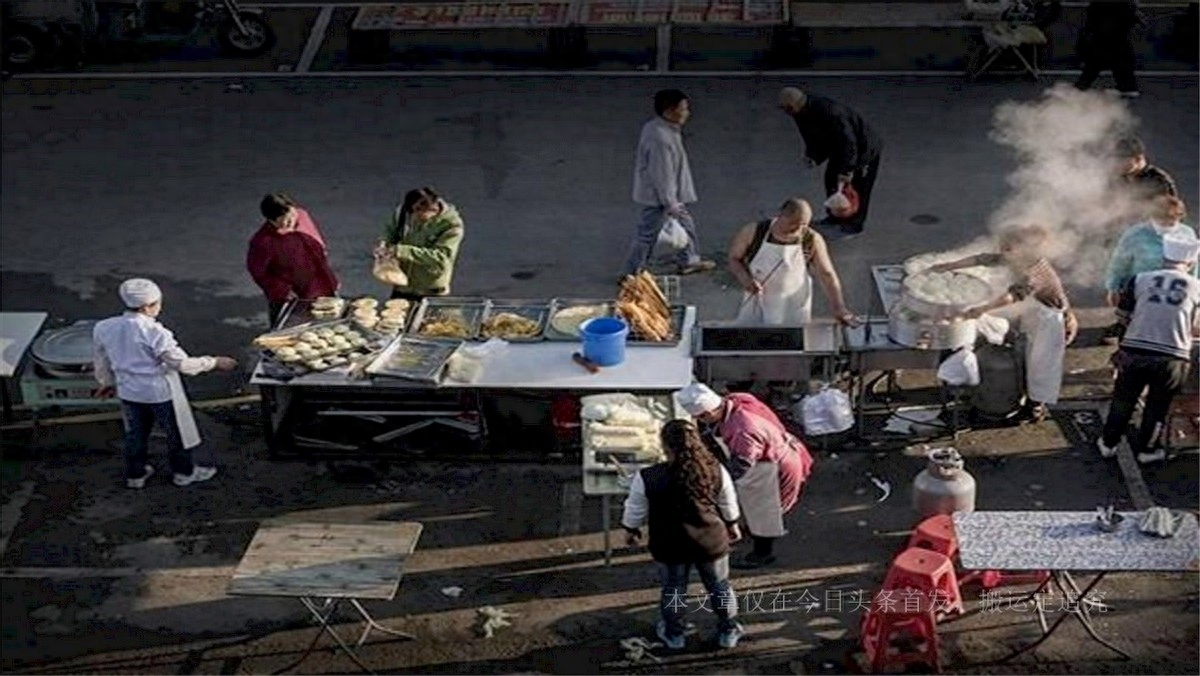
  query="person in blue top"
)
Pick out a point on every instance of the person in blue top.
point(1140, 250)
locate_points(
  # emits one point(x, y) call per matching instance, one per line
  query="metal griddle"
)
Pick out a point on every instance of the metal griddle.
point(728, 351)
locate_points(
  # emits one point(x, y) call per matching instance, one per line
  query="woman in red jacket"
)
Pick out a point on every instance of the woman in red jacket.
point(287, 256)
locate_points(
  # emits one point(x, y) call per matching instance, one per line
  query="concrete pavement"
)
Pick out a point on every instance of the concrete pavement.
point(103, 180)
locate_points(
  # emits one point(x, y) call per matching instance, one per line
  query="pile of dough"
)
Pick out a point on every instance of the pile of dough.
point(624, 427)
point(947, 288)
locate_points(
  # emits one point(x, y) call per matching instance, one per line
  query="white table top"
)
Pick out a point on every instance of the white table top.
point(546, 365)
point(325, 560)
point(1018, 541)
point(17, 331)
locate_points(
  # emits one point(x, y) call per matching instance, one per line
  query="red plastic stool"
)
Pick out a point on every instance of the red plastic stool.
point(930, 572)
point(936, 534)
point(900, 629)
point(990, 579)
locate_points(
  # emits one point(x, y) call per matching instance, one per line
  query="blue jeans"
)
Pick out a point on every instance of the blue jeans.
point(650, 223)
point(674, 603)
point(139, 421)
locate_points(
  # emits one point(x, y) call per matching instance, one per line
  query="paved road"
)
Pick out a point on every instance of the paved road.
point(103, 180)
point(540, 167)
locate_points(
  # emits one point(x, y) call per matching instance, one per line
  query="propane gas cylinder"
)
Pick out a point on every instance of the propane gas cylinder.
point(944, 486)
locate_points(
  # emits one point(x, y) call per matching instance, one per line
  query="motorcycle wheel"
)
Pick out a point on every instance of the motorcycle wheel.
point(258, 38)
point(25, 48)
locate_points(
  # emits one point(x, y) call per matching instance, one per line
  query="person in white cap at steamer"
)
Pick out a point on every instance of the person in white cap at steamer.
point(1164, 307)
point(768, 464)
point(138, 359)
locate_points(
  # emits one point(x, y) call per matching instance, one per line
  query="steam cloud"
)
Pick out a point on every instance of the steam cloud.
point(1065, 176)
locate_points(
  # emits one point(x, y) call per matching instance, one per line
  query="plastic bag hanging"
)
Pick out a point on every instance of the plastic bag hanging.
point(960, 368)
point(672, 234)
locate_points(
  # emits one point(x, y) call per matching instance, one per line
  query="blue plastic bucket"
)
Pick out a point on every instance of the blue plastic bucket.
point(604, 340)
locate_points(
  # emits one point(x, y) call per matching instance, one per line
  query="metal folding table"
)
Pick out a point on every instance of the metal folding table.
point(323, 564)
point(1070, 541)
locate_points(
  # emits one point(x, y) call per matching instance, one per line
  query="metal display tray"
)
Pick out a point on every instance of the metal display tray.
point(375, 341)
point(430, 355)
point(299, 312)
point(678, 312)
point(471, 309)
point(535, 310)
point(559, 304)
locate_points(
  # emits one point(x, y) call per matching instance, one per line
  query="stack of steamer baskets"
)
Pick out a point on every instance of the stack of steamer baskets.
point(929, 312)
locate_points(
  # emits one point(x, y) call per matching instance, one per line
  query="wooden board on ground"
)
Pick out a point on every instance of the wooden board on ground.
point(361, 561)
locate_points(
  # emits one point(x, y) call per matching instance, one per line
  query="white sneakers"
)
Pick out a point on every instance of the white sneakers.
point(1157, 455)
point(139, 484)
point(198, 474)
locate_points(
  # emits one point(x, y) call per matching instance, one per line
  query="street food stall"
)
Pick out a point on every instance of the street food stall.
point(454, 364)
point(58, 373)
point(397, 369)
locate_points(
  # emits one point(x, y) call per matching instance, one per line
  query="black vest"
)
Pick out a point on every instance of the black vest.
point(682, 532)
point(762, 230)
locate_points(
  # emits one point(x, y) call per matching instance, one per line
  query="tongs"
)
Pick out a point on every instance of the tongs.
point(358, 371)
point(761, 282)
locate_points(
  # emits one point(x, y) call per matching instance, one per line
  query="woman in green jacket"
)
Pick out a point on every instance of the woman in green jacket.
point(424, 234)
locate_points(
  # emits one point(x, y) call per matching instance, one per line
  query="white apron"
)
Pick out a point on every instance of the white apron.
point(758, 496)
point(1045, 346)
point(786, 299)
point(183, 411)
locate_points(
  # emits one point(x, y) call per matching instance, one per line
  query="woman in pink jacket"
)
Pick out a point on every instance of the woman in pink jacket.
point(768, 464)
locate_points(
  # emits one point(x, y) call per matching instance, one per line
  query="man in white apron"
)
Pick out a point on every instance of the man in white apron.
point(1037, 305)
point(138, 359)
point(769, 466)
point(771, 259)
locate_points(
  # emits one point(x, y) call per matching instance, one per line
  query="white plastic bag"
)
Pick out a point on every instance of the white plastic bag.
point(992, 328)
point(837, 201)
point(826, 412)
point(960, 368)
point(467, 362)
point(672, 234)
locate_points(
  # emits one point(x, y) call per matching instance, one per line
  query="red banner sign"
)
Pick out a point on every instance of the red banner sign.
point(463, 15)
point(730, 12)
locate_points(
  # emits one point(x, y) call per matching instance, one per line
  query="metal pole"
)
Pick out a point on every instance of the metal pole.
point(606, 519)
point(663, 60)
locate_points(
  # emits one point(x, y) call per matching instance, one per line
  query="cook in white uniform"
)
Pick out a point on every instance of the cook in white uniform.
point(1037, 304)
point(771, 260)
point(139, 360)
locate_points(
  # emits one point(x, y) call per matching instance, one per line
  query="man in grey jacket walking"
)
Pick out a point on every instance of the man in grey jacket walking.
point(662, 185)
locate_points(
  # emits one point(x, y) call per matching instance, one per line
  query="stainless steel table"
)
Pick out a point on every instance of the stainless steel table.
point(1069, 541)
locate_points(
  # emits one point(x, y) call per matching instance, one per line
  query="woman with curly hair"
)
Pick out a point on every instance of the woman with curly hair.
point(692, 512)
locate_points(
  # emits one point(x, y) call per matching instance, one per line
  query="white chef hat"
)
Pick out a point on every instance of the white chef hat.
point(697, 398)
point(1181, 248)
point(139, 292)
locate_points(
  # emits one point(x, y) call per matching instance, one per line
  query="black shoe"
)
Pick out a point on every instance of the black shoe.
point(753, 561)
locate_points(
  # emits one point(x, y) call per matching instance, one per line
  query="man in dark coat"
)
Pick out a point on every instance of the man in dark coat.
point(834, 133)
point(1106, 43)
point(1144, 181)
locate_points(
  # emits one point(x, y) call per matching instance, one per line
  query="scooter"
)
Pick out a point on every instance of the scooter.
point(96, 25)
point(240, 32)
point(32, 39)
